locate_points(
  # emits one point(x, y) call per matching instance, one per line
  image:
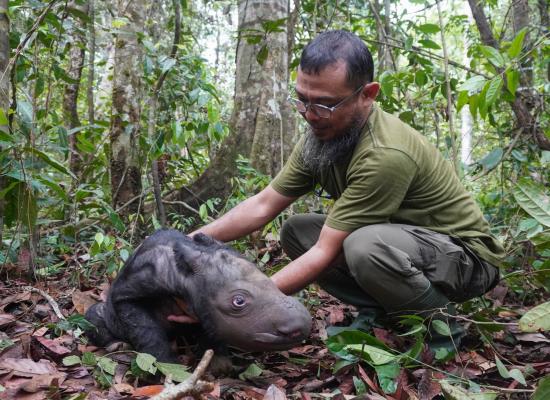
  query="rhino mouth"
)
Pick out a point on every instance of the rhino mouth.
point(271, 339)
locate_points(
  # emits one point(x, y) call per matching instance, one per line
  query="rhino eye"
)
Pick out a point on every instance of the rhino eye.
point(238, 301)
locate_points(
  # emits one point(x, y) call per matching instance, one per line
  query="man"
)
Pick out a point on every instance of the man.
point(403, 234)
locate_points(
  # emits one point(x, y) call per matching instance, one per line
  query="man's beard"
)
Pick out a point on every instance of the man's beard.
point(317, 155)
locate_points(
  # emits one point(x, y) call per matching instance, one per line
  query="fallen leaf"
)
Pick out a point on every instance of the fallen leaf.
point(40, 331)
point(40, 382)
point(274, 393)
point(428, 388)
point(335, 314)
point(15, 298)
point(27, 367)
point(532, 337)
point(148, 391)
point(52, 347)
point(6, 320)
point(124, 388)
point(83, 300)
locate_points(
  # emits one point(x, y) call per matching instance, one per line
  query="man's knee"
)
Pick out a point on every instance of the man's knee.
point(300, 232)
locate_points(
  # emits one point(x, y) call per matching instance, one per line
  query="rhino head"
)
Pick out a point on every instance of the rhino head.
point(236, 303)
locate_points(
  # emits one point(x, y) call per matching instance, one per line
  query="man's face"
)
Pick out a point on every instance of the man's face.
point(328, 88)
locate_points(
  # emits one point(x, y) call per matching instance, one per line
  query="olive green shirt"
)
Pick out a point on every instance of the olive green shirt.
point(394, 175)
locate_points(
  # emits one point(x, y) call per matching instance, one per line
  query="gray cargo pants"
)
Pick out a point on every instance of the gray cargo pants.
point(393, 266)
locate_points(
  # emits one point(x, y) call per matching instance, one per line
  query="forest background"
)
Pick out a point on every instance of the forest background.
point(118, 118)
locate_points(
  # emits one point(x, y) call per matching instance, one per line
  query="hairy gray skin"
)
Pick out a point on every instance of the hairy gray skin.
point(235, 303)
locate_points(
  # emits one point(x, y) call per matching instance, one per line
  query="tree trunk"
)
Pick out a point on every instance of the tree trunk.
point(523, 104)
point(91, 63)
point(70, 98)
point(4, 87)
point(126, 110)
point(262, 122)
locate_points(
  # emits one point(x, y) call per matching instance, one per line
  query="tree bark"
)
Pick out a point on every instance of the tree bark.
point(262, 122)
point(4, 86)
point(91, 63)
point(126, 110)
point(523, 103)
point(70, 97)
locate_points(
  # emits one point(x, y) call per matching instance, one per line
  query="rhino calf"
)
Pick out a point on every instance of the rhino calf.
point(235, 303)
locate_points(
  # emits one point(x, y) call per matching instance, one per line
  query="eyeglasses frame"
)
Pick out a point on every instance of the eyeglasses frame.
point(313, 106)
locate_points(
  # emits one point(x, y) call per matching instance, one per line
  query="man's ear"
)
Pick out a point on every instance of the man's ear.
point(370, 91)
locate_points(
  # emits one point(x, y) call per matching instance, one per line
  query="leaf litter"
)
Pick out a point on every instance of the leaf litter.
point(506, 360)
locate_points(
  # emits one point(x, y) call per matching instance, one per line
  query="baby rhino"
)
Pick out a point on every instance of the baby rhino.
point(234, 302)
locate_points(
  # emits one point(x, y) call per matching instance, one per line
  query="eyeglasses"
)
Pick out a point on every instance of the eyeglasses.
point(321, 110)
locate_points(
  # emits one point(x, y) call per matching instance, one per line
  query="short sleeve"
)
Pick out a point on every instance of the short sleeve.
point(294, 180)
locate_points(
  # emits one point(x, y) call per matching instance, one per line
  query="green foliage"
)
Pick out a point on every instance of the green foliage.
point(536, 319)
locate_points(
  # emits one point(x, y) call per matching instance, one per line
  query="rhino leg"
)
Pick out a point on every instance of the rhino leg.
point(100, 335)
point(145, 331)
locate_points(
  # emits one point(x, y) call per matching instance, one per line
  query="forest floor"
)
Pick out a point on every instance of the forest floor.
point(36, 346)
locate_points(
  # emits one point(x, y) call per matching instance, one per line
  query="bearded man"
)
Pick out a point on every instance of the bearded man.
point(403, 234)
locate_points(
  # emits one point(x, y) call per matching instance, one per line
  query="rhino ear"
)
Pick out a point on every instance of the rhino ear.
point(203, 239)
point(187, 257)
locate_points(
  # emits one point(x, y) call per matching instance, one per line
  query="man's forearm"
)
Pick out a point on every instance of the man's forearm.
point(248, 216)
point(237, 222)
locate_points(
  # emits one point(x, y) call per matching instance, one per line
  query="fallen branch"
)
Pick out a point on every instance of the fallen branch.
point(51, 301)
point(191, 386)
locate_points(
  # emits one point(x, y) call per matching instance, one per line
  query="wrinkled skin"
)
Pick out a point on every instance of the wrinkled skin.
point(234, 302)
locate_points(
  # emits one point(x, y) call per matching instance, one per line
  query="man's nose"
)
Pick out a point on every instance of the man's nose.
point(311, 115)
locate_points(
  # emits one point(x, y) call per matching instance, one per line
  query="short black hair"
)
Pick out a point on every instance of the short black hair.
point(332, 46)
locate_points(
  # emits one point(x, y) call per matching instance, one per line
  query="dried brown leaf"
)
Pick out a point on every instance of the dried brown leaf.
point(40, 382)
point(82, 301)
point(274, 393)
point(27, 367)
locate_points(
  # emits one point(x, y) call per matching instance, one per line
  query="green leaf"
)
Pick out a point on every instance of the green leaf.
point(99, 237)
point(492, 159)
point(458, 393)
point(167, 63)
point(146, 362)
point(502, 370)
point(517, 43)
point(386, 83)
point(50, 161)
point(441, 327)
point(107, 365)
point(429, 44)
point(406, 116)
point(360, 387)
point(420, 78)
point(88, 358)
point(176, 372)
point(493, 90)
point(462, 100)
point(428, 28)
point(534, 200)
point(517, 375)
point(536, 319)
point(253, 371)
point(493, 56)
point(512, 80)
point(262, 54)
point(473, 85)
point(386, 376)
point(543, 389)
point(3, 117)
point(372, 354)
point(71, 360)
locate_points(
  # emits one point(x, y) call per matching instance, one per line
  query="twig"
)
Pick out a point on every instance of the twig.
point(191, 386)
point(51, 301)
